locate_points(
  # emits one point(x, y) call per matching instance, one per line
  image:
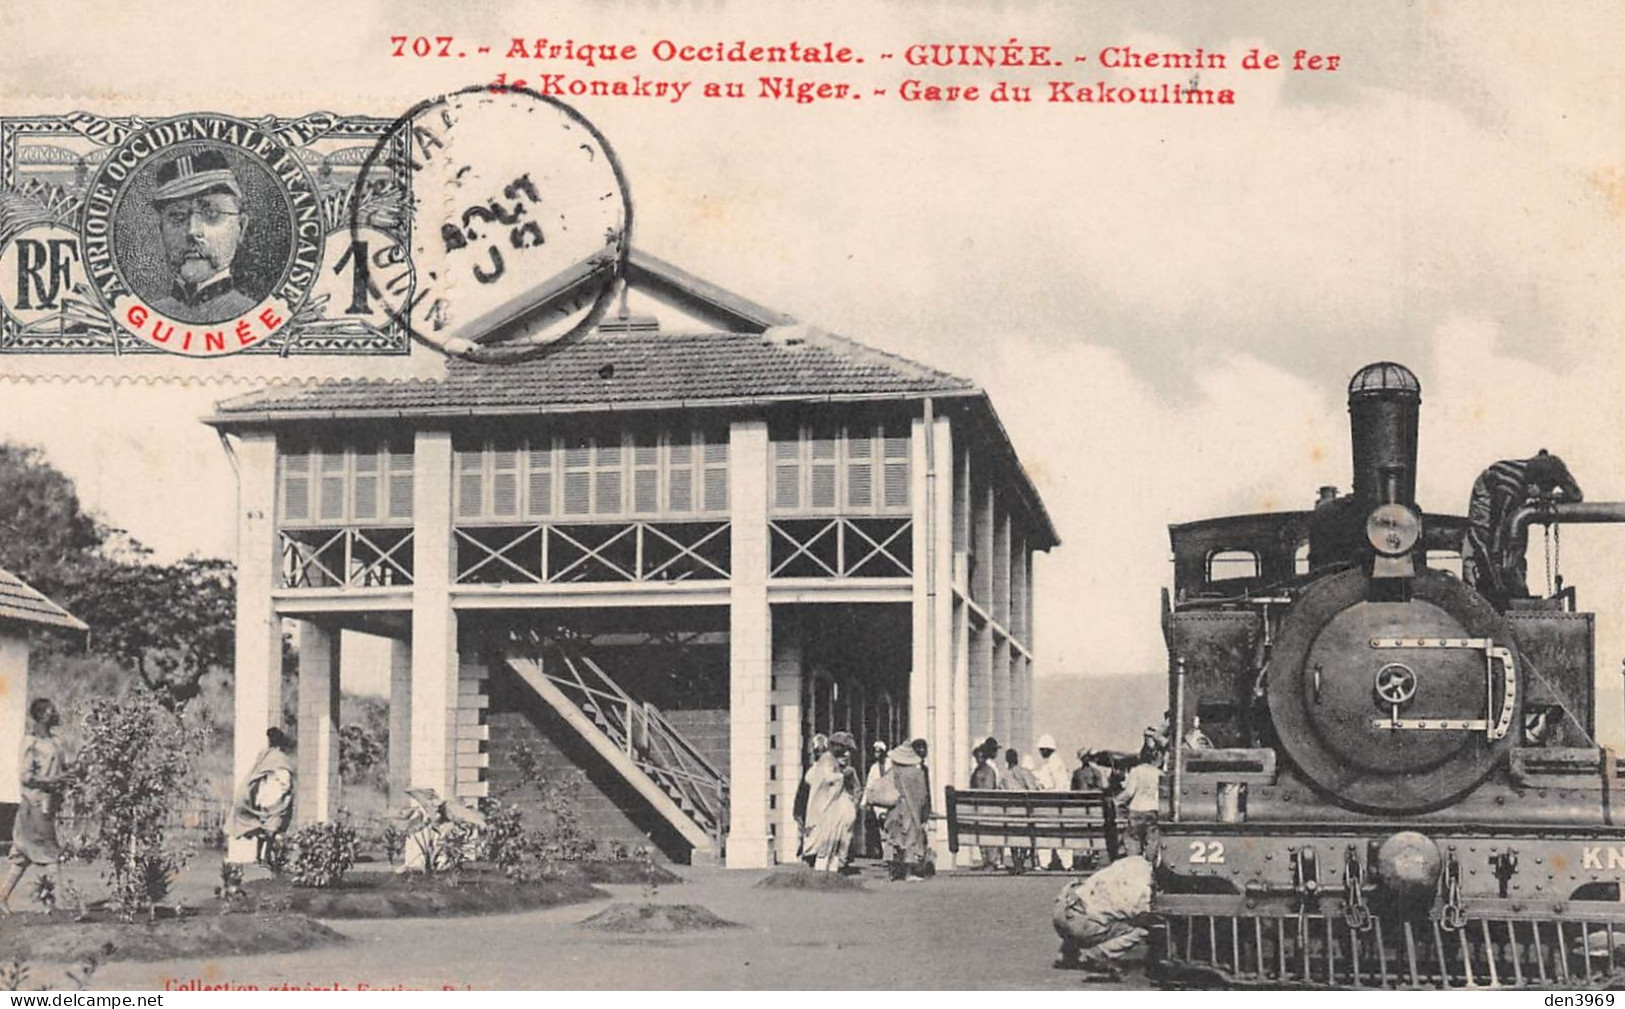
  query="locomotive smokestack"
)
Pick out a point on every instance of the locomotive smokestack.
point(1385, 401)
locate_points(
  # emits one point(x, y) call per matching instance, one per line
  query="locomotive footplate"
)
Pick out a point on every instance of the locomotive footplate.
point(1297, 905)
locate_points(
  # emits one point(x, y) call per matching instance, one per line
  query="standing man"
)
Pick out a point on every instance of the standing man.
point(1142, 798)
point(986, 778)
point(1053, 776)
point(44, 777)
point(875, 816)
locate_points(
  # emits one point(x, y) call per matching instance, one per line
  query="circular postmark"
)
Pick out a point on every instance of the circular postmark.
point(203, 234)
point(519, 220)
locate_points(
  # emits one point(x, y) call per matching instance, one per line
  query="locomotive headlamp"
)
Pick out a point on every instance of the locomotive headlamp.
point(1393, 529)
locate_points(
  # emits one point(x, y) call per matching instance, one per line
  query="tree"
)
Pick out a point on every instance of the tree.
point(168, 623)
point(136, 768)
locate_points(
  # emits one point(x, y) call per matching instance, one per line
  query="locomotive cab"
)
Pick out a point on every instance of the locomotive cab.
point(1391, 745)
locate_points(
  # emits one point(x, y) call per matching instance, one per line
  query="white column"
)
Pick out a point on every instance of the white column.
point(787, 653)
point(257, 666)
point(400, 720)
point(931, 682)
point(13, 712)
point(434, 625)
point(981, 584)
point(317, 796)
point(1020, 697)
point(750, 647)
point(1000, 608)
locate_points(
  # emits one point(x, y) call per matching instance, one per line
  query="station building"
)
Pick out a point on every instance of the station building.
point(654, 562)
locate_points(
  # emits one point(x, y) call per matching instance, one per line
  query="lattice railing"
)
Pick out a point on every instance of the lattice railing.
point(602, 552)
point(839, 547)
point(348, 557)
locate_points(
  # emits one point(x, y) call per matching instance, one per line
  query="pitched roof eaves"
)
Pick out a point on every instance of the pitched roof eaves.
point(228, 421)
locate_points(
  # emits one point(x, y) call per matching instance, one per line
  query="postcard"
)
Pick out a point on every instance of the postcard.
point(1028, 496)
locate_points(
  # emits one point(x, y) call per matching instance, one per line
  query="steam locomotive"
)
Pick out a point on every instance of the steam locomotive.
point(1403, 788)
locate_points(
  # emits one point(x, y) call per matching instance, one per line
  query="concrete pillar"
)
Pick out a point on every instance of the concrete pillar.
point(257, 665)
point(400, 720)
point(1031, 641)
point(434, 625)
point(1018, 637)
point(931, 698)
point(316, 798)
point(750, 648)
point(471, 732)
point(13, 712)
point(957, 688)
point(981, 586)
point(1000, 608)
point(787, 753)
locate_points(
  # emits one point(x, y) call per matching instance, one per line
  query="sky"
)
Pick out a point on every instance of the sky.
point(1165, 304)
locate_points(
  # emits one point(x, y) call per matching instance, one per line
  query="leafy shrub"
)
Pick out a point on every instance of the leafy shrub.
point(320, 854)
point(503, 842)
point(136, 767)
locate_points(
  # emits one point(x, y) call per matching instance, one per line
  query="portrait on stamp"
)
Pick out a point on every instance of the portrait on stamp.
point(210, 240)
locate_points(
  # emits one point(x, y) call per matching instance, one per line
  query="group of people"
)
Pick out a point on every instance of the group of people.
point(836, 812)
point(1135, 785)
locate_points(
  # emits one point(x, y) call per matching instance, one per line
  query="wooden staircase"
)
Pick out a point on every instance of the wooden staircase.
point(633, 736)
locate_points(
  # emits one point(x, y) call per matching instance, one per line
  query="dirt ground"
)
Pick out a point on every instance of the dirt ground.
point(958, 931)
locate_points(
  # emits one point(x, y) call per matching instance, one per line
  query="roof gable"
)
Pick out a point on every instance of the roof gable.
point(21, 603)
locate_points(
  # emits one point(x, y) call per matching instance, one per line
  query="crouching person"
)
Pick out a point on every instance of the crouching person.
point(1103, 920)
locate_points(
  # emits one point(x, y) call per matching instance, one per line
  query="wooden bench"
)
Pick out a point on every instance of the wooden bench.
point(991, 818)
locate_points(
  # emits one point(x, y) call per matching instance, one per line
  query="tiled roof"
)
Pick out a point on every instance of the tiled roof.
point(626, 369)
point(22, 603)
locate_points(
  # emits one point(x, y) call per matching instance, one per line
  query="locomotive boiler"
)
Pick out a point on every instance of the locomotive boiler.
point(1403, 787)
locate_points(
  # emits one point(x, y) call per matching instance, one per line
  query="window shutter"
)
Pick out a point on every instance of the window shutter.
point(539, 502)
point(331, 503)
point(470, 484)
point(681, 490)
point(716, 489)
point(646, 475)
point(296, 487)
point(400, 485)
point(505, 484)
point(364, 502)
point(646, 491)
point(787, 486)
point(895, 470)
point(821, 475)
point(787, 471)
point(860, 476)
point(578, 477)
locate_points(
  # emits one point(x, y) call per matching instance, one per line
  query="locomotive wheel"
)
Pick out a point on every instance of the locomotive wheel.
point(1328, 687)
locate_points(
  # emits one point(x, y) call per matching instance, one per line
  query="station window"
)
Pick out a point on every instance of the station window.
point(332, 485)
point(645, 474)
point(855, 469)
point(1227, 565)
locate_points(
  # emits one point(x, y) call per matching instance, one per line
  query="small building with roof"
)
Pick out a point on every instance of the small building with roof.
point(23, 610)
point(652, 564)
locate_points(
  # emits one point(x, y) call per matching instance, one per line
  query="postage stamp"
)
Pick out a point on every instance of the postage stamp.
point(201, 234)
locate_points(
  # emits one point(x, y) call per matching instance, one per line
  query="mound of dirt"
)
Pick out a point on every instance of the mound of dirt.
point(415, 895)
point(58, 939)
point(643, 918)
point(802, 878)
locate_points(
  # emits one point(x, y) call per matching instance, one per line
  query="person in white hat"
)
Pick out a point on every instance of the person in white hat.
point(1053, 776)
